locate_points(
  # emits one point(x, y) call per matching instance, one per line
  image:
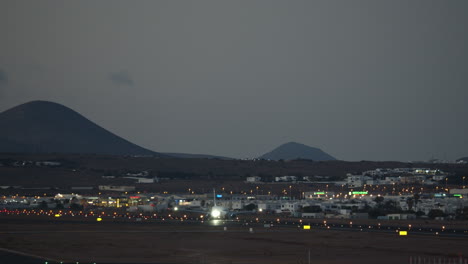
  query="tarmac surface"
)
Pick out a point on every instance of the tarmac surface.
point(222, 241)
point(9, 257)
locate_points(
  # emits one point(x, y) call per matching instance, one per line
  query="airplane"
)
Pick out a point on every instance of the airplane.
point(216, 211)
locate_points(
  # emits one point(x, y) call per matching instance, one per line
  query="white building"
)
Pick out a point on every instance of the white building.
point(269, 206)
point(48, 163)
point(254, 179)
point(459, 191)
point(290, 207)
point(438, 177)
point(313, 215)
point(142, 179)
point(60, 196)
point(286, 178)
point(116, 188)
point(355, 181)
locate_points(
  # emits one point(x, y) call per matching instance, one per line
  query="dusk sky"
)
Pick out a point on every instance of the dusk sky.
point(362, 80)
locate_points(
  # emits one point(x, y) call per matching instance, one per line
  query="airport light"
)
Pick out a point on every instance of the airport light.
point(403, 233)
point(215, 213)
point(306, 227)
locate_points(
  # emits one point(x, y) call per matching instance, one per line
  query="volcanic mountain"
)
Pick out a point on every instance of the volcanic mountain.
point(293, 150)
point(46, 127)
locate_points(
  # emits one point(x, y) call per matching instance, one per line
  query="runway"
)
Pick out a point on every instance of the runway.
point(222, 241)
point(228, 226)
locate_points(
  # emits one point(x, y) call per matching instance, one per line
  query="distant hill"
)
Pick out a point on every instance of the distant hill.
point(293, 150)
point(194, 156)
point(464, 159)
point(46, 127)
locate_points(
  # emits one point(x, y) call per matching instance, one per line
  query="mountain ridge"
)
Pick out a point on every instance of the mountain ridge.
point(294, 150)
point(48, 127)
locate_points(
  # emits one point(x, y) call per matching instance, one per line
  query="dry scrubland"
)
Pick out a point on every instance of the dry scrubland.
point(86, 170)
point(153, 243)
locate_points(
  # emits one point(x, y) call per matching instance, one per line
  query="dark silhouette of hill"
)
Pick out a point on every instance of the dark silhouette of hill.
point(46, 127)
point(293, 150)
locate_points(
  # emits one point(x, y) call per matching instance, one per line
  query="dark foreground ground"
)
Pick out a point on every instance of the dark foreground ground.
point(9, 257)
point(58, 240)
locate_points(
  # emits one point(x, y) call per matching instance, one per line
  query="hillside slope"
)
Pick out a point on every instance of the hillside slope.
point(46, 127)
point(293, 150)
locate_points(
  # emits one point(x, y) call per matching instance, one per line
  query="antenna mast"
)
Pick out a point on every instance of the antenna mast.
point(214, 196)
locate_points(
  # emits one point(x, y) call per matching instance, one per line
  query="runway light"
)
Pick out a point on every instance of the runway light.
point(99, 219)
point(306, 227)
point(58, 215)
point(403, 233)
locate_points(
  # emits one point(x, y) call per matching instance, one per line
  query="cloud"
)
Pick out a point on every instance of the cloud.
point(3, 77)
point(121, 78)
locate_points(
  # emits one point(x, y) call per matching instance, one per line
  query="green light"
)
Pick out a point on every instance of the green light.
point(319, 193)
point(356, 192)
point(457, 195)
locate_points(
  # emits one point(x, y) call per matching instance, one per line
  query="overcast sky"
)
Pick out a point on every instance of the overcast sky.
point(373, 80)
